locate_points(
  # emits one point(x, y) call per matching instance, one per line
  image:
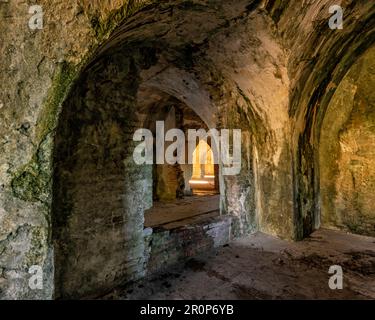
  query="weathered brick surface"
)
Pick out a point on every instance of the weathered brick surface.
point(169, 247)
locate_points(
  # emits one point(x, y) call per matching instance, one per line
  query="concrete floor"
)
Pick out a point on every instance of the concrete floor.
point(264, 267)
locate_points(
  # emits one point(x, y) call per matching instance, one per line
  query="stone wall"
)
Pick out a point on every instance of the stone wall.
point(167, 179)
point(347, 152)
point(100, 194)
point(167, 248)
point(319, 58)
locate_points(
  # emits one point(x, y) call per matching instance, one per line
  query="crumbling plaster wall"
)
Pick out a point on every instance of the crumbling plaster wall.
point(229, 48)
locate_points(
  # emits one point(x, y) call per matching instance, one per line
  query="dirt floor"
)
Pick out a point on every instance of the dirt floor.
point(264, 267)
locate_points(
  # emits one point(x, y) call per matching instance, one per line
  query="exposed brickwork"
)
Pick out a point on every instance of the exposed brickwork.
point(169, 247)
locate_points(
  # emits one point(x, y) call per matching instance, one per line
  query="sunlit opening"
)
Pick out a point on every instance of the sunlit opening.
point(204, 177)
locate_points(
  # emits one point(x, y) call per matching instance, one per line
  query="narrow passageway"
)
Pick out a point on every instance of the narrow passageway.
point(264, 267)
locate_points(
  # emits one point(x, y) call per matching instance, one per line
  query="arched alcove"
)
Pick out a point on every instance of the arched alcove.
point(330, 57)
point(346, 152)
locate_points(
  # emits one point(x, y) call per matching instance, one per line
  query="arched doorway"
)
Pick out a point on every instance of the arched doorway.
point(205, 172)
point(99, 235)
point(100, 194)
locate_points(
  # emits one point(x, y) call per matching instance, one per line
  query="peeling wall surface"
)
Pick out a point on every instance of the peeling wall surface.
point(73, 93)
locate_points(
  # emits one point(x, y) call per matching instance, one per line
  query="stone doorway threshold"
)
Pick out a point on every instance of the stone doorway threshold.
point(183, 212)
